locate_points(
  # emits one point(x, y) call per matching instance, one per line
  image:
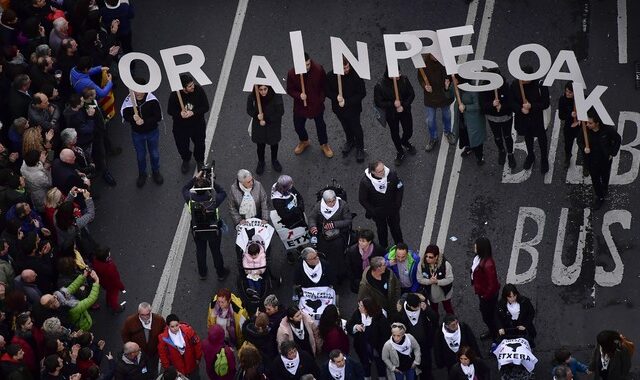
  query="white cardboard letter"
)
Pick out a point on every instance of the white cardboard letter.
point(630, 147)
point(472, 70)
point(259, 62)
point(593, 100)
point(538, 217)
point(393, 55)
point(434, 48)
point(297, 52)
point(155, 76)
point(339, 49)
point(449, 53)
point(513, 62)
point(574, 73)
point(193, 67)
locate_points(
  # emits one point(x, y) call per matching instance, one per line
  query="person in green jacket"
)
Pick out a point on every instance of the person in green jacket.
point(469, 122)
point(78, 309)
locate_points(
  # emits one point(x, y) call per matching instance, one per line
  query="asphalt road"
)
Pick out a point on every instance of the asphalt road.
point(139, 224)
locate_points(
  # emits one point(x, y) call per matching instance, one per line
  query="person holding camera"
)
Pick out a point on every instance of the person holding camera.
point(203, 196)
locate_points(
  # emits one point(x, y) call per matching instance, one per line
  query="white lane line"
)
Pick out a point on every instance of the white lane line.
point(436, 185)
point(457, 160)
point(163, 299)
point(553, 147)
point(622, 31)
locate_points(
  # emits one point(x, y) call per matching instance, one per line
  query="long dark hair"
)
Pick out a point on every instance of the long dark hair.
point(483, 247)
point(267, 98)
point(608, 340)
point(372, 307)
point(64, 215)
point(329, 319)
point(508, 289)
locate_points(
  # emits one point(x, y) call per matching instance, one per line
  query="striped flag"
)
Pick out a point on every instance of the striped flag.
point(108, 103)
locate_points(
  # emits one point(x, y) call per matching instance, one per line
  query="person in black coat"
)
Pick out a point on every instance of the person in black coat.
point(266, 126)
point(469, 366)
point(257, 331)
point(451, 336)
point(571, 127)
point(348, 107)
point(132, 364)
point(144, 132)
point(292, 363)
point(189, 123)
point(397, 112)
point(604, 144)
point(370, 330)
point(529, 119)
point(20, 97)
point(288, 203)
point(421, 322)
point(500, 117)
point(340, 367)
point(358, 257)
point(380, 194)
point(313, 271)
point(515, 315)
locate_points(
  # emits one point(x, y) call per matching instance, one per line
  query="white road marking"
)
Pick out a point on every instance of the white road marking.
point(553, 148)
point(622, 31)
point(163, 300)
point(457, 161)
point(436, 185)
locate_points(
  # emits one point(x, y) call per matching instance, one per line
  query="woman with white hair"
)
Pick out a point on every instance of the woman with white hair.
point(248, 199)
point(401, 354)
point(330, 222)
point(288, 203)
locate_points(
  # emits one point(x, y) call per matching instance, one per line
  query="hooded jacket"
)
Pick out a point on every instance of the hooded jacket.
point(80, 80)
point(79, 314)
point(170, 355)
point(239, 313)
point(211, 347)
point(413, 260)
point(388, 301)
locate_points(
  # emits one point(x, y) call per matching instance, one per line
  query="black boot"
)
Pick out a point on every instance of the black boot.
point(502, 155)
point(528, 162)
point(260, 168)
point(512, 160)
point(359, 155)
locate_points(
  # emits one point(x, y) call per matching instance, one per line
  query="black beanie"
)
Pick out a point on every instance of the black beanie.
point(413, 300)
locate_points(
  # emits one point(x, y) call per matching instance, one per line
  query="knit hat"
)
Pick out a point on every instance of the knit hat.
point(171, 318)
point(413, 300)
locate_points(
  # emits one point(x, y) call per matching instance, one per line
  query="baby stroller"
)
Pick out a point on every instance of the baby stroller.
point(515, 359)
point(256, 280)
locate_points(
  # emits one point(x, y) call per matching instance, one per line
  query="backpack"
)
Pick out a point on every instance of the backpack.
point(221, 365)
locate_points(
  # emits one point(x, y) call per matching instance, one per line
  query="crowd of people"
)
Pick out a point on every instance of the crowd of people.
point(58, 78)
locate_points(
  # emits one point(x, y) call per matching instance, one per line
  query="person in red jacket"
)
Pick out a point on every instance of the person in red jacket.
point(211, 347)
point(109, 277)
point(486, 285)
point(309, 104)
point(179, 346)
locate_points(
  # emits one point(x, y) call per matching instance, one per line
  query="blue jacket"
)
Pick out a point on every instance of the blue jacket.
point(576, 367)
point(80, 80)
point(413, 260)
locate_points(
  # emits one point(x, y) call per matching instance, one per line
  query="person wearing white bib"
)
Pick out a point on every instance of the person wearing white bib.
point(515, 315)
point(299, 328)
point(330, 222)
point(450, 337)
point(341, 367)
point(179, 346)
point(380, 193)
point(469, 367)
point(292, 364)
point(401, 354)
point(370, 329)
point(611, 359)
point(313, 271)
point(421, 322)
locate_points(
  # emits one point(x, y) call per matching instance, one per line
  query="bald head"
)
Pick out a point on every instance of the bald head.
point(49, 301)
point(131, 348)
point(67, 156)
point(28, 276)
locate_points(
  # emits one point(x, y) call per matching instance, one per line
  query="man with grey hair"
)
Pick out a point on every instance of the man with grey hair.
point(59, 32)
point(562, 372)
point(313, 271)
point(142, 328)
point(330, 221)
point(133, 364)
point(380, 284)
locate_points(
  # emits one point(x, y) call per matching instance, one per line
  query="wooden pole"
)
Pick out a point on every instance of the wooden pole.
point(456, 90)
point(180, 100)
point(132, 96)
point(424, 77)
point(495, 95)
point(303, 90)
point(587, 147)
point(524, 98)
point(575, 119)
point(258, 101)
point(395, 88)
point(339, 84)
